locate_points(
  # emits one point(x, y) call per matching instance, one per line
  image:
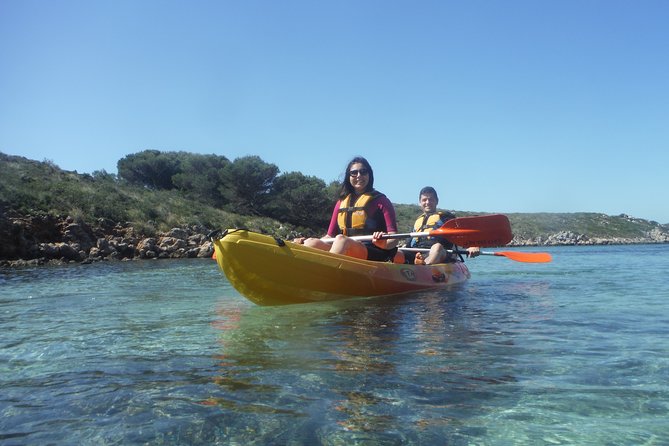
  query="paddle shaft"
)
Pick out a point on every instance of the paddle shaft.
point(450, 251)
point(526, 257)
point(443, 233)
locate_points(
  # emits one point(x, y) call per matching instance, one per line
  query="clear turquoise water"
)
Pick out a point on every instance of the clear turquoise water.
point(166, 352)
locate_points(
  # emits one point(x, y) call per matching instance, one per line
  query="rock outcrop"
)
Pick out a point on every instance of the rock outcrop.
point(571, 238)
point(40, 239)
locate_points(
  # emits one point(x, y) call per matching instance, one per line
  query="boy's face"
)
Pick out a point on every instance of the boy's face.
point(428, 203)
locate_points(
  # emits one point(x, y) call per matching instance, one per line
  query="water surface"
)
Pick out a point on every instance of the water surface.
point(166, 352)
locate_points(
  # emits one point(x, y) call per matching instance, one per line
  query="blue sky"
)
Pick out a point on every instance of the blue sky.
point(503, 106)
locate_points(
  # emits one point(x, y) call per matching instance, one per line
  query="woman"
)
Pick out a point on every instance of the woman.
point(360, 210)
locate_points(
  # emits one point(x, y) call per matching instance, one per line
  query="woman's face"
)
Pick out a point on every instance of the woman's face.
point(358, 176)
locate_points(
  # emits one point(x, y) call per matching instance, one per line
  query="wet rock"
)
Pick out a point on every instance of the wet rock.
point(79, 233)
point(171, 244)
point(147, 248)
point(206, 250)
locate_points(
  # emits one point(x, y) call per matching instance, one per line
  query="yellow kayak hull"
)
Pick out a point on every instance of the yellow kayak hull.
point(270, 271)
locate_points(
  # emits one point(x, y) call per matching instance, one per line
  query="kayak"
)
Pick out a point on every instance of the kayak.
point(271, 271)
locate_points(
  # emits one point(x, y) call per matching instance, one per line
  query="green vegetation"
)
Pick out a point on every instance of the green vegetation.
point(591, 224)
point(155, 191)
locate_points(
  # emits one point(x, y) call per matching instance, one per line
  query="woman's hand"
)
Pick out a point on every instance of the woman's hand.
point(378, 241)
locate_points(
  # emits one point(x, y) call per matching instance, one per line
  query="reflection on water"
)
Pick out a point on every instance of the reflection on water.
point(355, 370)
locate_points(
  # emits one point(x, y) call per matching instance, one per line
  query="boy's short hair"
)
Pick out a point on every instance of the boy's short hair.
point(428, 190)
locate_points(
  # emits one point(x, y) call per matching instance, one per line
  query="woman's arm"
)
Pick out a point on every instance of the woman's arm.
point(333, 229)
point(388, 211)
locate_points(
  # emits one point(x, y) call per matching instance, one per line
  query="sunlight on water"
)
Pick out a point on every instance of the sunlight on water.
point(162, 352)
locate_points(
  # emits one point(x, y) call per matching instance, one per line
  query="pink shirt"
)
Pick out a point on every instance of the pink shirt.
point(380, 205)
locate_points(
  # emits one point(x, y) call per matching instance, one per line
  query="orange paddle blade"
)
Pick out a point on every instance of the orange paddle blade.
point(527, 257)
point(481, 231)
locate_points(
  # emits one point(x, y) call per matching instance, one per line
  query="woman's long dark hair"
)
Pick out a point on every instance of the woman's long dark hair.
point(346, 188)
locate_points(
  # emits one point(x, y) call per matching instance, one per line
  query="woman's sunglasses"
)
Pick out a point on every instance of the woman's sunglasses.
point(356, 172)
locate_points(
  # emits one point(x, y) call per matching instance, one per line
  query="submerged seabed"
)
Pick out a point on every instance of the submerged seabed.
point(166, 352)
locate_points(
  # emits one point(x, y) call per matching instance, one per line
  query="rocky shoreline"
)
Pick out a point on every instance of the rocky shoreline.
point(45, 239)
point(569, 238)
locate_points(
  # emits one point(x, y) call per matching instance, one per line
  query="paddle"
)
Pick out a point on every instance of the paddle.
point(482, 231)
point(526, 257)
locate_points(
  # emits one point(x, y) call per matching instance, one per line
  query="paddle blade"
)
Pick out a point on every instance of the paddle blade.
point(481, 231)
point(527, 257)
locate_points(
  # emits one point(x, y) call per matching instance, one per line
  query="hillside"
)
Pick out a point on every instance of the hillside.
point(568, 228)
point(41, 190)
